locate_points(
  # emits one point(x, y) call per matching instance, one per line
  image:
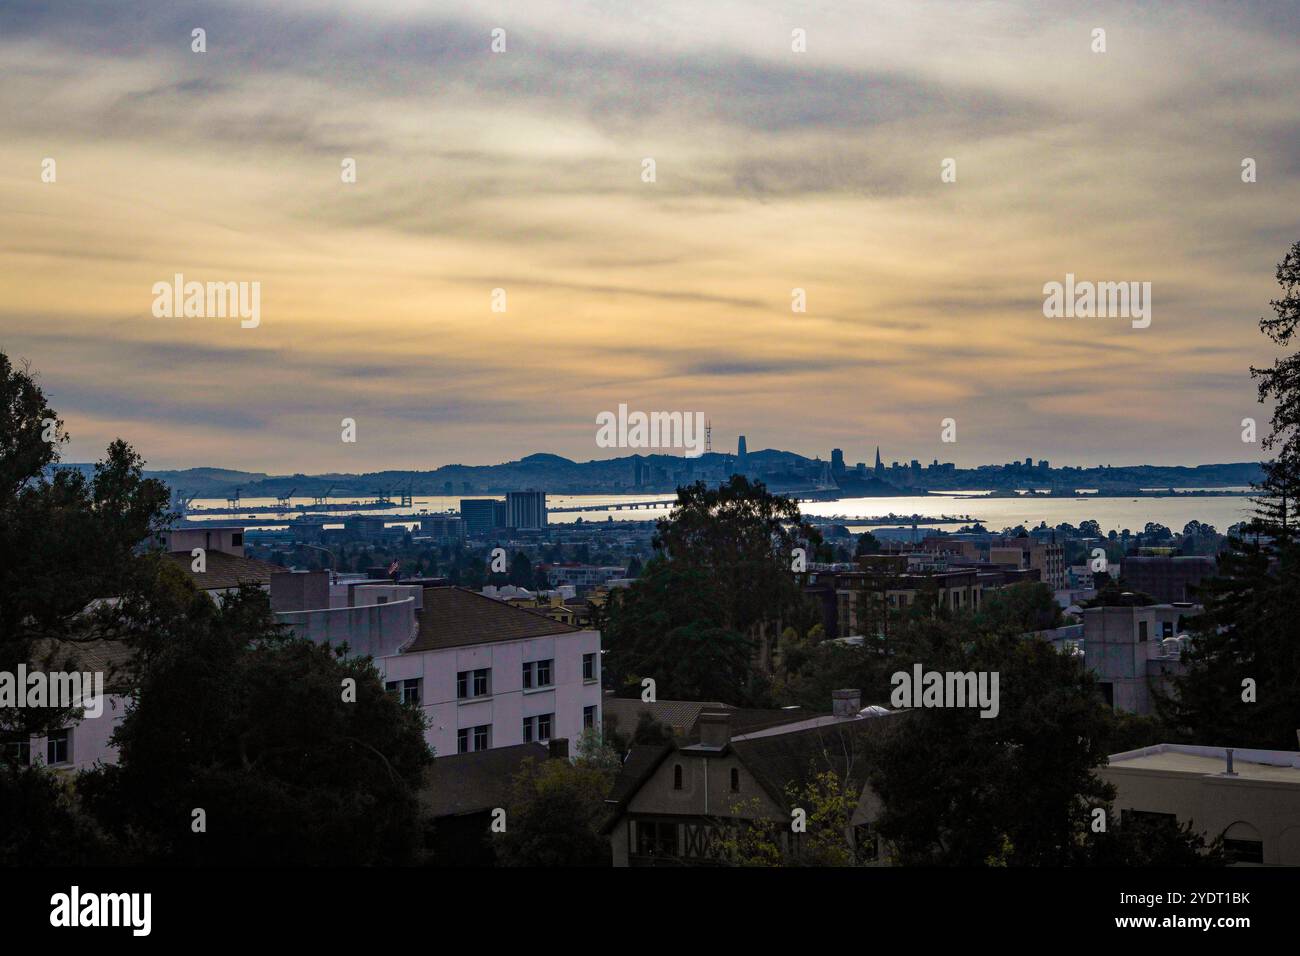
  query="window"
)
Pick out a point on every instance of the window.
point(470, 739)
point(537, 674)
point(1142, 630)
point(470, 684)
point(407, 690)
point(656, 838)
point(538, 728)
point(588, 666)
point(866, 848)
point(1243, 851)
point(237, 539)
point(19, 751)
point(677, 776)
point(735, 780)
point(589, 717)
point(58, 748)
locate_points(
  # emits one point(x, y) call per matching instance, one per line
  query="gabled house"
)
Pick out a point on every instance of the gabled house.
point(674, 804)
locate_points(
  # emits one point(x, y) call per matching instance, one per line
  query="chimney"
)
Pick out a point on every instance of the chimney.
point(1229, 772)
point(846, 703)
point(559, 748)
point(715, 730)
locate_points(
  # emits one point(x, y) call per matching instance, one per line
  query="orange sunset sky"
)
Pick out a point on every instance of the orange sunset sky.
point(521, 170)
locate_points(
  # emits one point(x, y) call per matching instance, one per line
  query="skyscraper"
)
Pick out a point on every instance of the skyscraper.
point(742, 456)
point(880, 465)
point(526, 510)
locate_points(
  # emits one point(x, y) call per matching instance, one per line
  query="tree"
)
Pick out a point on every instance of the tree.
point(1243, 666)
point(1020, 608)
point(553, 816)
point(294, 754)
point(749, 839)
point(65, 541)
point(42, 824)
point(668, 626)
point(521, 571)
point(961, 789)
point(1281, 383)
point(868, 543)
point(742, 538)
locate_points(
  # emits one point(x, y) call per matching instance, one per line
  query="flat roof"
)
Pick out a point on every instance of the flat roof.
point(1282, 766)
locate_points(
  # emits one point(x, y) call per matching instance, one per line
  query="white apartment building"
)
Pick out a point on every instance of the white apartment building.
point(485, 673)
point(490, 675)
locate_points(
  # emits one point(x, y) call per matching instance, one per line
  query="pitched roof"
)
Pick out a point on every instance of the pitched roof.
point(473, 782)
point(779, 760)
point(683, 716)
point(641, 761)
point(680, 716)
point(224, 570)
point(455, 617)
point(110, 658)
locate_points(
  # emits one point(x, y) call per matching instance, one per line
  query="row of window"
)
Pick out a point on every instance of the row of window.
point(537, 728)
point(478, 683)
point(58, 749)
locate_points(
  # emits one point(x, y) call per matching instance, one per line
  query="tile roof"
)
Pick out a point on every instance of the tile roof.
point(455, 617)
point(473, 782)
point(678, 715)
point(783, 759)
point(225, 570)
point(682, 716)
point(110, 658)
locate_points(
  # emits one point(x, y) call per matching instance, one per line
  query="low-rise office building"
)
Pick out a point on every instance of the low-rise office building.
point(1251, 798)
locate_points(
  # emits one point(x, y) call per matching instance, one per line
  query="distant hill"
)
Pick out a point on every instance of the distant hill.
point(781, 470)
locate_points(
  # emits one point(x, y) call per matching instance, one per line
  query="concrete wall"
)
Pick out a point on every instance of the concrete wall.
point(376, 630)
point(210, 539)
point(300, 590)
point(1119, 645)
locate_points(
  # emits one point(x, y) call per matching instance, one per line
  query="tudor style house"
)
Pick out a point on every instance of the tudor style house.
point(672, 804)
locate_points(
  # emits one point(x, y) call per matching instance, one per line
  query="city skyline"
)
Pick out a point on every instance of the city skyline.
point(523, 170)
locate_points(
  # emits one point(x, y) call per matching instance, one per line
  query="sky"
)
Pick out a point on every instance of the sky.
point(524, 171)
